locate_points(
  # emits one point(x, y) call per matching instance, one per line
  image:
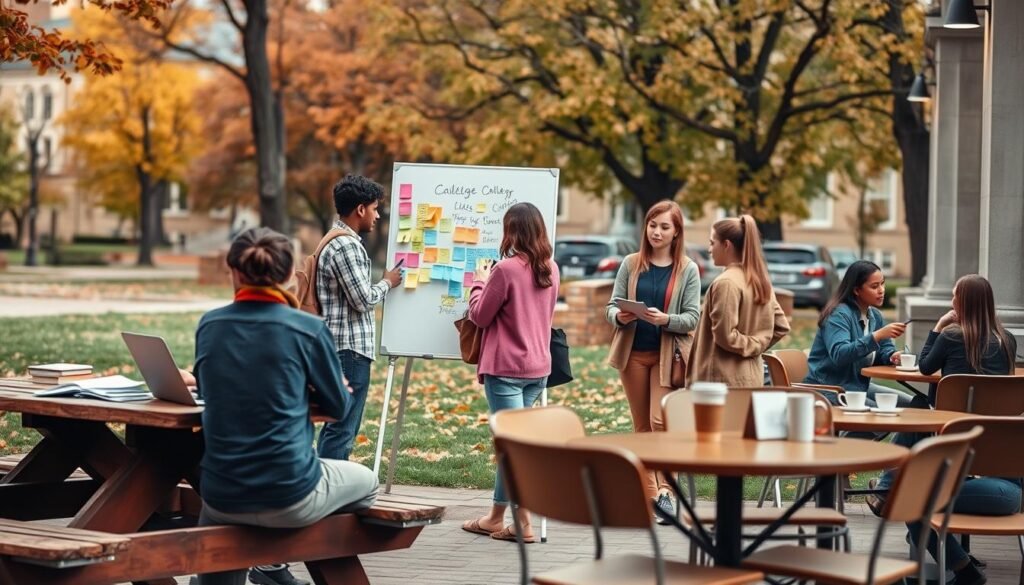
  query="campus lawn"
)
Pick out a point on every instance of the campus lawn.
point(445, 437)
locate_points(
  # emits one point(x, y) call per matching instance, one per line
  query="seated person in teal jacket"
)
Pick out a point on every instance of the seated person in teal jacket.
point(259, 363)
point(852, 335)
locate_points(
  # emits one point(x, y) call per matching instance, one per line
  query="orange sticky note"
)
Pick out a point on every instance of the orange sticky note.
point(429, 255)
point(472, 235)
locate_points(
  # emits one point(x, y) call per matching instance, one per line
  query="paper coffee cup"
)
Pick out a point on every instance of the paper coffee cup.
point(709, 409)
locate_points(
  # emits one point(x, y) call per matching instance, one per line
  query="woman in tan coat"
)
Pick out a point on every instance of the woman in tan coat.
point(643, 346)
point(741, 318)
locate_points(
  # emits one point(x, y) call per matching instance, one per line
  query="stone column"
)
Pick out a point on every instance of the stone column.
point(955, 182)
point(1002, 163)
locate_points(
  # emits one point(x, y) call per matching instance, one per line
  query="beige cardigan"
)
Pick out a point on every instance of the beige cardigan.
point(733, 333)
point(684, 310)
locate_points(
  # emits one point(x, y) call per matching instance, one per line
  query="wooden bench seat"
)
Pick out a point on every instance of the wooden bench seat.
point(58, 546)
point(330, 548)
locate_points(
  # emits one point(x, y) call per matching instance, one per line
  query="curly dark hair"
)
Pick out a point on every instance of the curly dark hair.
point(262, 256)
point(353, 191)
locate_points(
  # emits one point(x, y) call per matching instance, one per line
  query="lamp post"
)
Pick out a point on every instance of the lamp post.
point(33, 132)
point(962, 14)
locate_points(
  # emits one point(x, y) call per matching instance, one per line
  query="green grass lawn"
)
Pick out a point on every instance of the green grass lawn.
point(445, 437)
point(126, 289)
point(16, 257)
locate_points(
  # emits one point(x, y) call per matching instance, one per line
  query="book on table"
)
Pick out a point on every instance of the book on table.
point(58, 370)
point(111, 388)
point(56, 380)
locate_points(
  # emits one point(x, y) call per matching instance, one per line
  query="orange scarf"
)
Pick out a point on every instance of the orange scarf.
point(266, 294)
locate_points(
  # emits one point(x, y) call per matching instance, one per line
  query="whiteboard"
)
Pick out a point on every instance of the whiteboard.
point(464, 209)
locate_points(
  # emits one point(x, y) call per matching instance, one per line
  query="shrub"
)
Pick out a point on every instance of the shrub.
point(76, 258)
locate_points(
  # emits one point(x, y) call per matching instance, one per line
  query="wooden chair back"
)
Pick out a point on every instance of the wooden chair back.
point(677, 409)
point(976, 394)
point(995, 449)
point(552, 424)
point(929, 478)
point(793, 364)
point(600, 486)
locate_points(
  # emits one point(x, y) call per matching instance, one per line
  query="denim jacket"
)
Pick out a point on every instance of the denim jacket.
point(841, 348)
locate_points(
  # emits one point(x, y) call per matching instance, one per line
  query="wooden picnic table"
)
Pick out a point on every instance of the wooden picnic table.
point(735, 457)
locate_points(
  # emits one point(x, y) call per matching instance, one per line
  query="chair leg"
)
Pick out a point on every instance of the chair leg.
point(764, 491)
point(1020, 543)
point(778, 493)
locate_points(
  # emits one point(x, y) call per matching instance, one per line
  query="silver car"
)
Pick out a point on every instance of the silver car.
point(805, 269)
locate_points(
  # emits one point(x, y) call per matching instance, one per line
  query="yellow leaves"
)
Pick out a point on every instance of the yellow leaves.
point(362, 440)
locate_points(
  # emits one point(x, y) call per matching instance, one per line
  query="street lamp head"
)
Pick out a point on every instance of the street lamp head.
point(961, 14)
point(919, 90)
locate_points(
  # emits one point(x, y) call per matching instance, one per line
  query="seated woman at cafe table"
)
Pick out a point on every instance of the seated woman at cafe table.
point(967, 340)
point(852, 334)
point(256, 361)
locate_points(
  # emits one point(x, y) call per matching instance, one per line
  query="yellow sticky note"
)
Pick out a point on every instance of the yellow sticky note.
point(434, 217)
point(417, 235)
point(430, 255)
point(411, 279)
point(444, 255)
point(424, 274)
point(472, 235)
point(422, 211)
point(481, 208)
point(417, 246)
point(446, 225)
point(403, 237)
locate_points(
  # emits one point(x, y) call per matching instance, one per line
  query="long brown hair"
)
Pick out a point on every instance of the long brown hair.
point(525, 235)
point(742, 232)
point(676, 251)
point(975, 307)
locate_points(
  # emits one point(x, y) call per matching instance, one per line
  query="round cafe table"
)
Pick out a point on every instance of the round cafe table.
point(735, 457)
point(906, 377)
point(909, 420)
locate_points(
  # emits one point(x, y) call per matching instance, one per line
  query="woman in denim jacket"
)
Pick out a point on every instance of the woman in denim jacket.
point(852, 334)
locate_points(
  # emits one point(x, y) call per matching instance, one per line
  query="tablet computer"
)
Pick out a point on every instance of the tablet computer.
point(635, 307)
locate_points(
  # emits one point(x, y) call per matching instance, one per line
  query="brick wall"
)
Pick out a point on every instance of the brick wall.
point(582, 313)
point(213, 269)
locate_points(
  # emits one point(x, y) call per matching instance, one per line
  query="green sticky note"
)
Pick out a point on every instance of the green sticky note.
point(446, 225)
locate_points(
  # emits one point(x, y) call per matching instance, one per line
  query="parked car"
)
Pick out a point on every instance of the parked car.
point(805, 269)
point(843, 257)
point(591, 256)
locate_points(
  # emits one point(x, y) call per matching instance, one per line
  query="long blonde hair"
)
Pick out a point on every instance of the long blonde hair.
point(742, 232)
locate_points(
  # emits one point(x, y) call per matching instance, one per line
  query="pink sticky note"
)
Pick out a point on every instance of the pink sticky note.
point(399, 256)
point(467, 279)
point(412, 260)
point(405, 191)
point(405, 208)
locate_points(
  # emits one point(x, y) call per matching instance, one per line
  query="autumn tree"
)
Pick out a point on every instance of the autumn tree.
point(13, 178)
point(725, 102)
point(136, 131)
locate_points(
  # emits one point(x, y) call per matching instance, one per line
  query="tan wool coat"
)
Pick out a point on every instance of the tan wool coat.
point(733, 333)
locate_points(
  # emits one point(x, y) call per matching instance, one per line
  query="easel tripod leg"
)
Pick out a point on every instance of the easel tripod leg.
point(395, 437)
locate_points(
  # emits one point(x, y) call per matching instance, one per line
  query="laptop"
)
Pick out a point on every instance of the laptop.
point(158, 368)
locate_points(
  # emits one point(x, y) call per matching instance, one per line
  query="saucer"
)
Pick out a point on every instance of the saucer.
point(882, 412)
point(852, 410)
point(906, 369)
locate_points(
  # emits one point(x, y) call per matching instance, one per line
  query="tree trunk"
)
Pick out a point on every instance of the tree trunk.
point(32, 248)
point(771, 231)
point(266, 118)
point(148, 217)
point(163, 198)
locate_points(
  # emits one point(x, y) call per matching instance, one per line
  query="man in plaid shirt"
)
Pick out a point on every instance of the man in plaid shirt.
point(348, 297)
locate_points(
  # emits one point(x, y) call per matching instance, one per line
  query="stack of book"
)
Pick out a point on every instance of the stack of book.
point(53, 374)
point(111, 388)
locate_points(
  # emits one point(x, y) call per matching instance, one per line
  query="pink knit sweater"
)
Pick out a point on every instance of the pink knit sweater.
point(515, 316)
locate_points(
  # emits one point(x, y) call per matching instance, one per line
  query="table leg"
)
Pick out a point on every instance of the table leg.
point(913, 390)
point(826, 498)
point(66, 445)
point(729, 524)
point(341, 571)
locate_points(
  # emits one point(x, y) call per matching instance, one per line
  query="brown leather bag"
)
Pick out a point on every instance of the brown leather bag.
point(680, 353)
point(469, 339)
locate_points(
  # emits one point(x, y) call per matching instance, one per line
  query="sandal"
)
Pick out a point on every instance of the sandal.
point(474, 527)
point(874, 502)
point(508, 533)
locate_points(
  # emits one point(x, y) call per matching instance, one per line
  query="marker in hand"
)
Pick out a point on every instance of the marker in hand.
point(394, 276)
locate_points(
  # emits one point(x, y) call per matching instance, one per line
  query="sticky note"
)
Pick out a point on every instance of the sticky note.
point(444, 255)
point(404, 223)
point(446, 225)
point(455, 288)
point(417, 246)
point(430, 255)
point(481, 208)
point(411, 279)
point(459, 235)
point(412, 260)
point(399, 256)
point(458, 254)
point(434, 216)
point(405, 208)
point(471, 255)
point(403, 237)
point(472, 235)
point(467, 280)
point(424, 274)
point(405, 191)
point(422, 210)
point(438, 272)
point(430, 238)
point(455, 274)
point(417, 235)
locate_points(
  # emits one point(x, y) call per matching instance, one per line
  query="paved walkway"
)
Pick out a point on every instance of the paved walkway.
point(38, 307)
point(94, 273)
point(445, 554)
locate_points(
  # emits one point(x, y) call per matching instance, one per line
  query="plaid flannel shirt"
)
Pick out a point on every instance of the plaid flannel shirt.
point(346, 296)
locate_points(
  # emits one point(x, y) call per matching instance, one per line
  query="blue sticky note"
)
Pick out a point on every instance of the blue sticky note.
point(458, 254)
point(493, 254)
point(438, 272)
point(455, 288)
point(455, 275)
point(471, 255)
point(430, 238)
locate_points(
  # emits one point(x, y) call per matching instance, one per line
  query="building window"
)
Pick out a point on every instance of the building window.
point(47, 104)
point(562, 213)
point(819, 207)
point(881, 198)
point(30, 104)
point(885, 259)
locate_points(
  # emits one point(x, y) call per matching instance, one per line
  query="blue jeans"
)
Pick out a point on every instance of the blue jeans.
point(983, 496)
point(503, 394)
point(336, 438)
point(907, 440)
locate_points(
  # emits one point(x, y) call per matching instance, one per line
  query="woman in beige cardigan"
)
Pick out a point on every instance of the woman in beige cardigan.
point(663, 278)
point(741, 318)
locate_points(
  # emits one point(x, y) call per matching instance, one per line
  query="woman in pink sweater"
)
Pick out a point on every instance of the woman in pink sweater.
point(513, 302)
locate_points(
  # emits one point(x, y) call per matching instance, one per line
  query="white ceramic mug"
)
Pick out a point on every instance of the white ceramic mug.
point(853, 399)
point(908, 360)
point(800, 416)
point(886, 400)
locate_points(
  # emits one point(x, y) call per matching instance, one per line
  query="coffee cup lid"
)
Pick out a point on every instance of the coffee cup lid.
point(710, 387)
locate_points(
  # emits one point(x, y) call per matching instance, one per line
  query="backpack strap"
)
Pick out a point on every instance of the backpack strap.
point(328, 238)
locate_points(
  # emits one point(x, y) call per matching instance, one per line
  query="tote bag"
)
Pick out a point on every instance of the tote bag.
point(561, 371)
